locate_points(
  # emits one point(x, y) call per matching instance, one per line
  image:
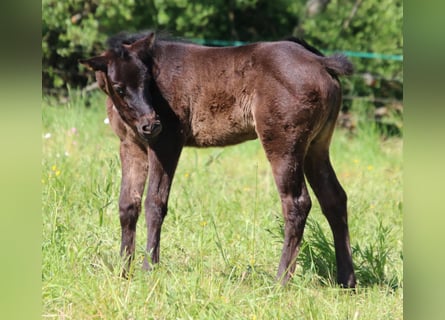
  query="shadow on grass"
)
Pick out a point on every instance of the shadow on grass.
point(373, 262)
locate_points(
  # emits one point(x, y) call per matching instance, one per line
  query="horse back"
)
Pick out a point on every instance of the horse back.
point(217, 91)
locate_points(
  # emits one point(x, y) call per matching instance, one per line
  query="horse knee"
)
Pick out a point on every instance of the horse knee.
point(129, 212)
point(156, 211)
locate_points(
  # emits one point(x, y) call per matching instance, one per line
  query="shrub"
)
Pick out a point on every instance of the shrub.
point(73, 29)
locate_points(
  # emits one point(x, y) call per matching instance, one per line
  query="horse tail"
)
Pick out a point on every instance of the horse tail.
point(338, 64)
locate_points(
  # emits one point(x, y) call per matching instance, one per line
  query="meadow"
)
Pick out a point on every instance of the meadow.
point(222, 237)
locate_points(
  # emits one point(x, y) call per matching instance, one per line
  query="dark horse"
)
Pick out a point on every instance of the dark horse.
point(164, 95)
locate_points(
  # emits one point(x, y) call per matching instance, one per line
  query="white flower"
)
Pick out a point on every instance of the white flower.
point(107, 121)
point(47, 135)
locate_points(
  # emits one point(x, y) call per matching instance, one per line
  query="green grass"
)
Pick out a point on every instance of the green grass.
point(222, 237)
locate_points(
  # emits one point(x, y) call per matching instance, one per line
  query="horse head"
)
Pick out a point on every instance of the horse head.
point(124, 74)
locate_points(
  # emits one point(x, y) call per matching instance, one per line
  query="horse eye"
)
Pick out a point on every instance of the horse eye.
point(120, 91)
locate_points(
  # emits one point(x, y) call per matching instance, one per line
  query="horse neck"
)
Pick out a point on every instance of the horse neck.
point(168, 64)
point(167, 54)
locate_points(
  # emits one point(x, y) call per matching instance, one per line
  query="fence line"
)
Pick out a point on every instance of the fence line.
point(349, 53)
point(356, 54)
point(371, 55)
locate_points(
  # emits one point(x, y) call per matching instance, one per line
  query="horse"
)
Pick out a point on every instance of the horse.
point(163, 95)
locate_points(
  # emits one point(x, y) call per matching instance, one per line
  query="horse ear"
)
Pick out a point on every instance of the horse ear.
point(98, 63)
point(150, 40)
point(101, 79)
point(141, 46)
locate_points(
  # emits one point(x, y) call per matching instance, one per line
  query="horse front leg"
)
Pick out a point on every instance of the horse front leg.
point(163, 163)
point(134, 162)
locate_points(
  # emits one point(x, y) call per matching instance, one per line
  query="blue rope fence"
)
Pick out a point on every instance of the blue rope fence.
point(355, 54)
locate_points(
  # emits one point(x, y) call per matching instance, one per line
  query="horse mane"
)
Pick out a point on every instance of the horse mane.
point(115, 43)
point(305, 45)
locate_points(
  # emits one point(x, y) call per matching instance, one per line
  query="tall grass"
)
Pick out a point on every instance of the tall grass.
point(222, 238)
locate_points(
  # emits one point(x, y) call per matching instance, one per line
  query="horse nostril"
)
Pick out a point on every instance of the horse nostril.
point(146, 128)
point(151, 129)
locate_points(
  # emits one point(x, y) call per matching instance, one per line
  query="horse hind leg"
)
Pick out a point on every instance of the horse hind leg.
point(296, 205)
point(286, 155)
point(333, 202)
point(285, 135)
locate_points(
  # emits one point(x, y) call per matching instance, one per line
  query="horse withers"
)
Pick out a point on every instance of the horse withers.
point(164, 95)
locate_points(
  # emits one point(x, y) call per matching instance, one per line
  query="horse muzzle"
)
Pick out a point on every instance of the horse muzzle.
point(149, 129)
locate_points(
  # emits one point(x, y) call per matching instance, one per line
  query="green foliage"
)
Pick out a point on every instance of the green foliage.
point(357, 25)
point(222, 237)
point(73, 29)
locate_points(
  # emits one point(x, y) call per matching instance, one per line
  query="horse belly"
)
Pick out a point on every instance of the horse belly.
point(227, 122)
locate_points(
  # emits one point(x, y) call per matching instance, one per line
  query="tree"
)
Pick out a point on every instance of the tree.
point(357, 25)
point(73, 29)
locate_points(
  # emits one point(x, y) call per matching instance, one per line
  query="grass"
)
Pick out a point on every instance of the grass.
point(222, 237)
